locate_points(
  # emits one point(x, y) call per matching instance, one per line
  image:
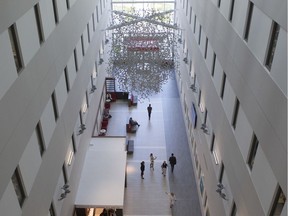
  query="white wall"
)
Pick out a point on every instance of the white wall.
point(30, 163)
point(9, 204)
point(29, 42)
point(260, 25)
point(47, 17)
point(62, 8)
point(239, 16)
point(264, 180)
point(279, 66)
point(61, 93)
point(8, 69)
point(48, 122)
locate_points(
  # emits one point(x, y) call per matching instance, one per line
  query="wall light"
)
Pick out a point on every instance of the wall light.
point(215, 157)
point(70, 158)
point(202, 108)
point(84, 108)
point(94, 74)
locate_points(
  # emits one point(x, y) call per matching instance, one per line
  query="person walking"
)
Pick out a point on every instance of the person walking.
point(142, 168)
point(172, 198)
point(172, 161)
point(164, 168)
point(149, 109)
point(152, 159)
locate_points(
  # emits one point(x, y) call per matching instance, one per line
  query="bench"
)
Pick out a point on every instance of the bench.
point(130, 146)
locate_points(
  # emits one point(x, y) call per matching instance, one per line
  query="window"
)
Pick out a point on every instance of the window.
point(186, 7)
point(67, 4)
point(235, 114)
point(18, 186)
point(55, 107)
point(223, 85)
point(199, 39)
point(248, 20)
point(213, 64)
point(205, 200)
point(194, 28)
point(93, 21)
point(199, 98)
point(82, 45)
point(56, 17)
point(272, 45)
point(67, 79)
point(64, 173)
point(190, 17)
point(253, 151)
point(231, 10)
point(73, 143)
point(221, 173)
point(15, 47)
point(52, 210)
point(205, 116)
point(212, 142)
point(101, 7)
point(97, 14)
point(39, 23)
point(234, 210)
point(88, 32)
point(40, 138)
point(75, 59)
point(278, 203)
point(206, 47)
point(219, 3)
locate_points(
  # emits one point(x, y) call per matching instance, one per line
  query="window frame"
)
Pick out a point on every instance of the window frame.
point(40, 138)
point(37, 13)
point(16, 48)
point(235, 113)
point(253, 151)
point(248, 20)
point(271, 47)
point(232, 3)
point(19, 187)
point(223, 84)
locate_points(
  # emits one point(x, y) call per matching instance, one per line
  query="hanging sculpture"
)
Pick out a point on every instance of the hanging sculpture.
point(142, 50)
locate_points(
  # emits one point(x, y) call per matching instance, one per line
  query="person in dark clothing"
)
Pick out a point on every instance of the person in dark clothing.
point(142, 168)
point(149, 109)
point(172, 161)
point(133, 122)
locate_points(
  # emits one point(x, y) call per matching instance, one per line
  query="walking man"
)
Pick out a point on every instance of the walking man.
point(164, 168)
point(172, 161)
point(149, 109)
point(142, 168)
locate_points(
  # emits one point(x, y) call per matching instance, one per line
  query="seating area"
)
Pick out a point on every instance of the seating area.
point(130, 146)
point(130, 128)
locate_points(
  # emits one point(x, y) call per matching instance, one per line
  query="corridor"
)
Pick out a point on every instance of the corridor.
point(162, 135)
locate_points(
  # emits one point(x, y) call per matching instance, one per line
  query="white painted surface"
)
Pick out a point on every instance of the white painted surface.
point(30, 163)
point(8, 69)
point(61, 93)
point(47, 15)
point(62, 8)
point(28, 35)
point(48, 122)
point(103, 176)
point(9, 204)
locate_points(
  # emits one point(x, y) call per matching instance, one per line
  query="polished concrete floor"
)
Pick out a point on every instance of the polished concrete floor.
point(162, 135)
